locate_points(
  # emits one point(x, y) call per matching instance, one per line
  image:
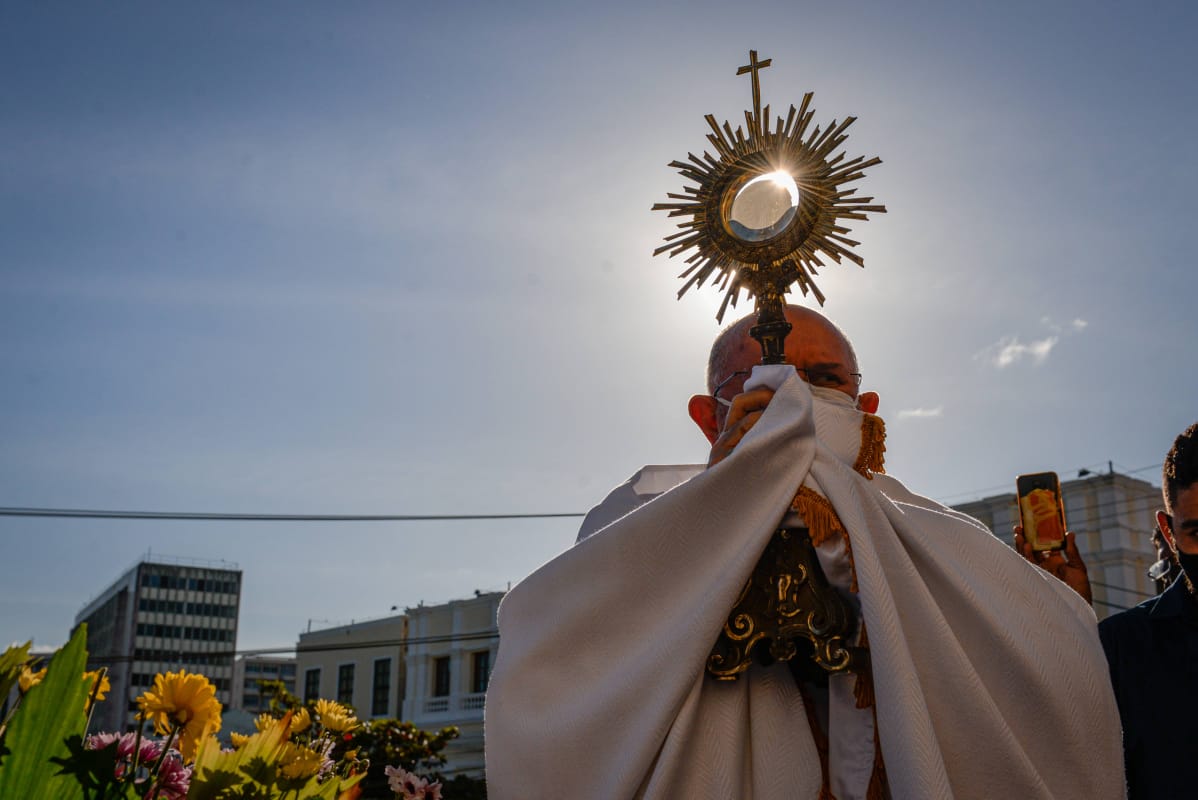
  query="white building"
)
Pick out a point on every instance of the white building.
point(360, 664)
point(1113, 517)
point(451, 650)
point(248, 670)
point(428, 666)
point(163, 615)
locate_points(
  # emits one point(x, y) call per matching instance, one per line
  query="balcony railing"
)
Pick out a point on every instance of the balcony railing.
point(467, 702)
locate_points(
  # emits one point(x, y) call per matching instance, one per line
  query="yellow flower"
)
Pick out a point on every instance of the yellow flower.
point(185, 701)
point(329, 707)
point(298, 761)
point(300, 720)
point(339, 723)
point(335, 717)
point(103, 689)
point(264, 721)
point(28, 678)
point(238, 740)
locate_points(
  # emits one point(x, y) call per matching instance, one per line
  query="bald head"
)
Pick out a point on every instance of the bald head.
point(817, 348)
point(734, 350)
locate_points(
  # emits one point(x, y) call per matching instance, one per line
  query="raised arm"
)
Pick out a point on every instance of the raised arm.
point(1066, 565)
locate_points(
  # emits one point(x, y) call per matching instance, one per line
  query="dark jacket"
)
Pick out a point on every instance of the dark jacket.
point(1152, 651)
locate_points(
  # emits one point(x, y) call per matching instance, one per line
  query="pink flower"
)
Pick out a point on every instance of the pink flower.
point(173, 777)
point(98, 741)
point(324, 748)
point(148, 751)
point(410, 786)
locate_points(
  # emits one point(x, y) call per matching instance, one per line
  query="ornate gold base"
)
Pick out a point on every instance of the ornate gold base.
point(787, 610)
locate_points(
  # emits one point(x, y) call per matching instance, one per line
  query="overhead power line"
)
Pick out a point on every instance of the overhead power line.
point(202, 516)
point(1121, 589)
point(1115, 606)
point(1100, 507)
point(307, 648)
point(84, 513)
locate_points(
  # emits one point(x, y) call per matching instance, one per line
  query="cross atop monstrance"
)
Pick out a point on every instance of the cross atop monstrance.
point(754, 66)
point(767, 209)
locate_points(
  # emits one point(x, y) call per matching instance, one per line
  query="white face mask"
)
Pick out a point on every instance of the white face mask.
point(818, 392)
point(832, 396)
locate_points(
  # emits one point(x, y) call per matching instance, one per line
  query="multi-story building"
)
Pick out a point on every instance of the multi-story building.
point(248, 670)
point(360, 664)
point(162, 615)
point(1112, 516)
point(428, 666)
point(451, 650)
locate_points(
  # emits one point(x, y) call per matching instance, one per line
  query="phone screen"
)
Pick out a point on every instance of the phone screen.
point(1040, 510)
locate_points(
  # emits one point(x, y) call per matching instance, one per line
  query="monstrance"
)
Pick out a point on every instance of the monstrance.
point(766, 210)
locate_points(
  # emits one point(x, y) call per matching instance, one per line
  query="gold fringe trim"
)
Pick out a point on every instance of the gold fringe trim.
point(870, 457)
point(877, 780)
point(863, 686)
point(818, 514)
point(822, 523)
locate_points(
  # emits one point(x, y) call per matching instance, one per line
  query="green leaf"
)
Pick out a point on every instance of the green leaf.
point(95, 770)
point(10, 666)
point(50, 713)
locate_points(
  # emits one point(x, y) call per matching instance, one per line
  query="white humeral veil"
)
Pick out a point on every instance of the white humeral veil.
point(988, 674)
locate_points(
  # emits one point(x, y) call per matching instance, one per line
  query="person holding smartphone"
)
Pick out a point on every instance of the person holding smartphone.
point(1152, 649)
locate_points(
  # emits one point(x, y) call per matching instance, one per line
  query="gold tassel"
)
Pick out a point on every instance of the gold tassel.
point(863, 686)
point(823, 524)
point(818, 514)
point(870, 456)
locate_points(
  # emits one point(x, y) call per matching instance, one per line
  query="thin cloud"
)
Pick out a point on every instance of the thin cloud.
point(1009, 350)
point(921, 413)
point(1076, 325)
point(1012, 351)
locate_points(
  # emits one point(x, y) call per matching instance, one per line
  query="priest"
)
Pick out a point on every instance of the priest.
point(984, 678)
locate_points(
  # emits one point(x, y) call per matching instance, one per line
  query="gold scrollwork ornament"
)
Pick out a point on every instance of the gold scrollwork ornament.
point(787, 610)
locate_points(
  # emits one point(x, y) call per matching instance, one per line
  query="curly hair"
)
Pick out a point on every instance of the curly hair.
point(1181, 466)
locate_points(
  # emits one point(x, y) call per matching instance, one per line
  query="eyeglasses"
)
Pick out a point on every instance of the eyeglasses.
point(822, 377)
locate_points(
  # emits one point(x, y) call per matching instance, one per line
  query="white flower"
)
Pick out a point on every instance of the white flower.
point(410, 786)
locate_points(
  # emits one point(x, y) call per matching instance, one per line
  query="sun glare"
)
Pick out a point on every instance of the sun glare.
point(783, 180)
point(780, 179)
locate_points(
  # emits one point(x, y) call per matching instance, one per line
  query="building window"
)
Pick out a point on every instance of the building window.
point(441, 676)
point(481, 671)
point(381, 692)
point(311, 685)
point(345, 684)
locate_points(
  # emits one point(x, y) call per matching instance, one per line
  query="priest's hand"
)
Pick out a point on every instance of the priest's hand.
point(747, 408)
point(1066, 565)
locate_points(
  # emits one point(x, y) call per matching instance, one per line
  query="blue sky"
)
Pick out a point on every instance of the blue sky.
point(395, 258)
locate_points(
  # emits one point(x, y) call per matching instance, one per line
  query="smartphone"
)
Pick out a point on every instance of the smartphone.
point(1040, 510)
